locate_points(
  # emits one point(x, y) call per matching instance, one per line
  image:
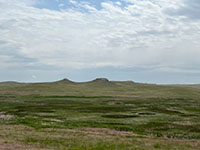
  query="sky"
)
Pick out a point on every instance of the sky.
point(148, 41)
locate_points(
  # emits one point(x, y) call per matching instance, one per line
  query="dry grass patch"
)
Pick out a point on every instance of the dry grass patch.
point(21, 137)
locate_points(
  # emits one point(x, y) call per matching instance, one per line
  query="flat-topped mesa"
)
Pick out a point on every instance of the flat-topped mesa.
point(101, 80)
point(65, 80)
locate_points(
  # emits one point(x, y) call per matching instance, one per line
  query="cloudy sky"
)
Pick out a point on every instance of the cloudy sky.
point(151, 41)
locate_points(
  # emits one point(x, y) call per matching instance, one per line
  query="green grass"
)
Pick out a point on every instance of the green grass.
point(151, 111)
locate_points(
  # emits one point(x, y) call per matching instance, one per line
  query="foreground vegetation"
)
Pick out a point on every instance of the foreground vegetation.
point(99, 115)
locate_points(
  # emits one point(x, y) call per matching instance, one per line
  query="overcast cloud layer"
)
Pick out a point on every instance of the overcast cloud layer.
point(160, 36)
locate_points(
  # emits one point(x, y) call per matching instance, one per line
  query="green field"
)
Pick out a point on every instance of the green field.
point(99, 115)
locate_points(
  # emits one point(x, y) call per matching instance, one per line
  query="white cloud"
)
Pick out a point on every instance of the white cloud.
point(61, 5)
point(34, 77)
point(73, 2)
point(140, 34)
point(187, 8)
point(18, 2)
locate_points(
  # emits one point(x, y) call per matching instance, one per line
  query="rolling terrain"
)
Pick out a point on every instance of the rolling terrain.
point(99, 115)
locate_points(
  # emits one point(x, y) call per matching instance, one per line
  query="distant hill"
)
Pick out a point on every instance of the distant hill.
point(100, 87)
point(65, 80)
point(9, 82)
point(101, 80)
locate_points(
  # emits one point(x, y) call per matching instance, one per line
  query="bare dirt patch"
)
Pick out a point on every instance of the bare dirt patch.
point(96, 132)
point(4, 116)
point(106, 131)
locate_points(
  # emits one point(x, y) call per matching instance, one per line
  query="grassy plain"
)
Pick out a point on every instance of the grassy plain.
point(99, 115)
